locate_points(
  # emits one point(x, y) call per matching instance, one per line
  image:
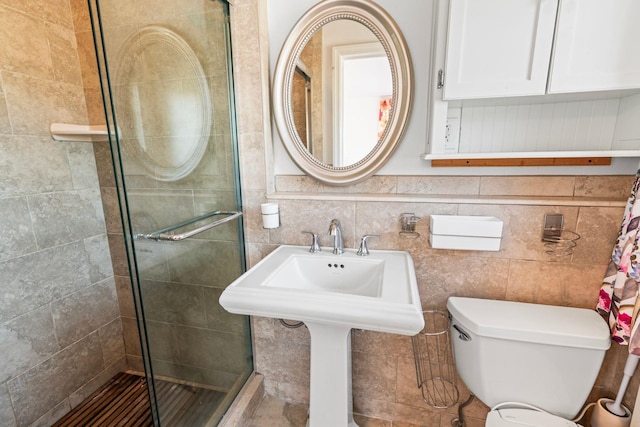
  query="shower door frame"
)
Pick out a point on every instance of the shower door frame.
point(123, 204)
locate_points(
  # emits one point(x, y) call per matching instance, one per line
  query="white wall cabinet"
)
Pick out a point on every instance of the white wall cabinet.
point(535, 78)
point(498, 47)
point(504, 47)
point(596, 47)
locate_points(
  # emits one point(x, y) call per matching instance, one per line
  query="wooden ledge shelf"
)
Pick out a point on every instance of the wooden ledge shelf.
point(524, 161)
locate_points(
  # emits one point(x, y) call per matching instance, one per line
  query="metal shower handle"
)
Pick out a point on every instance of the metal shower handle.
point(165, 236)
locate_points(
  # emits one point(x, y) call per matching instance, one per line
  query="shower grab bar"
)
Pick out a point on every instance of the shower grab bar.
point(164, 235)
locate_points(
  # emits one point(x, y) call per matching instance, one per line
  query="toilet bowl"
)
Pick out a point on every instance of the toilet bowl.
point(522, 417)
point(517, 356)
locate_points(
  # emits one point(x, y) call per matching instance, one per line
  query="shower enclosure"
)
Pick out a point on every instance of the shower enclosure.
point(167, 83)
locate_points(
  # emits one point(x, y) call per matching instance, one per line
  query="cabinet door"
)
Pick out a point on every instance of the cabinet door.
point(597, 46)
point(498, 48)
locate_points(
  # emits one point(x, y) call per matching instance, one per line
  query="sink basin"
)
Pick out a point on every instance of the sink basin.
point(377, 292)
point(321, 273)
point(331, 294)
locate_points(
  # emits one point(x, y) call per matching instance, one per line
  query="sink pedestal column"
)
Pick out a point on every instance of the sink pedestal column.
point(331, 401)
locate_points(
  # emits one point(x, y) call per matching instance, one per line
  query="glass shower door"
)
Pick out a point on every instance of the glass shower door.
point(168, 90)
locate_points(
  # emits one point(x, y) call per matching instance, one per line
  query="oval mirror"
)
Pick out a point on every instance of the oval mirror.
point(162, 95)
point(342, 90)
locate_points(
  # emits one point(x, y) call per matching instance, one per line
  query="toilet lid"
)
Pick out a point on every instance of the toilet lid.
point(520, 417)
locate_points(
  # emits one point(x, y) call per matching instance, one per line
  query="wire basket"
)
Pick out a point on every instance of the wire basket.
point(435, 365)
point(560, 244)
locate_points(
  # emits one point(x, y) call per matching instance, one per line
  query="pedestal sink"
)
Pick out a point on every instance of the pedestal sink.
point(331, 294)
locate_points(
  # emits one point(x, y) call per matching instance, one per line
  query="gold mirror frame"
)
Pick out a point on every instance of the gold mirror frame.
point(378, 21)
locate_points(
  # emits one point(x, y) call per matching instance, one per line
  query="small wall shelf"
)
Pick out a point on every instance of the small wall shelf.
point(79, 133)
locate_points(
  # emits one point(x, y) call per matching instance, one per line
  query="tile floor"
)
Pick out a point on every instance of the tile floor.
point(278, 413)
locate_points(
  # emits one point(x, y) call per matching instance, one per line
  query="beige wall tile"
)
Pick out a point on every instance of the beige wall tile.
point(85, 311)
point(288, 376)
point(122, 12)
point(87, 60)
point(17, 237)
point(252, 161)
point(85, 391)
point(297, 183)
point(54, 11)
point(5, 124)
point(111, 207)
point(258, 251)
point(554, 283)
point(131, 338)
point(27, 341)
point(254, 232)
point(64, 54)
point(40, 277)
point(40, 84)
point(246, 40)
point(604, 186)
point(374, 376)
point(438, 185)
point(383, 219)
point(31, 399)
point(35, 103)
point(104, 165)
point(27, 55)
point(95, 109)
point(118, 255)
point(98, 258)
point(53, 212)
point(442, 276)
point(82, 164)
point(249, 104)
point(522, 228)
point(527, 185)
point(373, 185)
point(33, 165)
point(598, 229)
point(381, 343)
point(80, 16)
point(313, 215)
point(125, 297)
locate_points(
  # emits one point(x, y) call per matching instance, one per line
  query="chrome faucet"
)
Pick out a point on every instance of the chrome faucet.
point(335, 230)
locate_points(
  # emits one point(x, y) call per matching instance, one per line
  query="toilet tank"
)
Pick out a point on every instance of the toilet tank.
point(541, 355)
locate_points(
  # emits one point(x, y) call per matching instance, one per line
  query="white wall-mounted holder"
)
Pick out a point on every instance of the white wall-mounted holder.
point(470, 233)
point(270, 215)
point(79, 133)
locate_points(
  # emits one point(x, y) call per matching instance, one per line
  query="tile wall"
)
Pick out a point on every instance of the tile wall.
point(60, 329)
point(384, 373)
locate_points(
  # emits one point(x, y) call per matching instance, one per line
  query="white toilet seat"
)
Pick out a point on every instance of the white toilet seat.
point(523, 417)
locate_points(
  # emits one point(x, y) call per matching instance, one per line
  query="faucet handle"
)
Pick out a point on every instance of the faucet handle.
point(315, 246)
point(363, 250)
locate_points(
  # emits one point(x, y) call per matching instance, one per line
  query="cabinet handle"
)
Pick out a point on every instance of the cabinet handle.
point(440, 79)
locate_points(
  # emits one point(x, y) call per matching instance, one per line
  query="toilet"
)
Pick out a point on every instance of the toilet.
point(533, 364)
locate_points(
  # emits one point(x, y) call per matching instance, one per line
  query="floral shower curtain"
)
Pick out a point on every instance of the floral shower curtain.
point(618, 301)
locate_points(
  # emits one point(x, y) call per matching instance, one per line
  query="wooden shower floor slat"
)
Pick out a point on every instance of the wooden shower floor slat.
point(124, 402)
